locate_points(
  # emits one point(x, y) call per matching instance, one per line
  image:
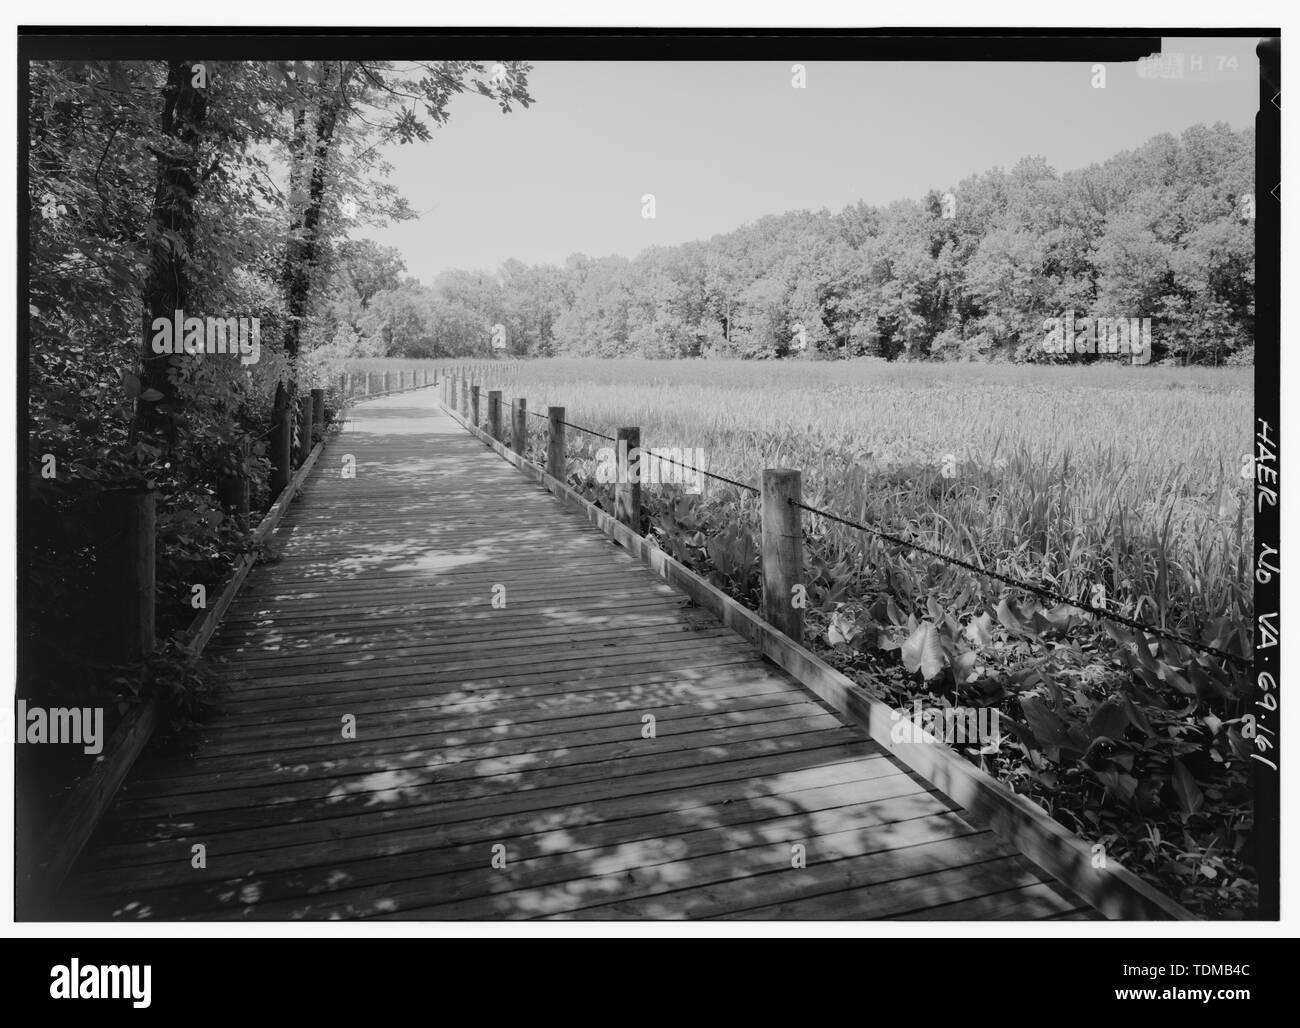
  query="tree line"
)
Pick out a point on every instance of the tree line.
point(1163, 232)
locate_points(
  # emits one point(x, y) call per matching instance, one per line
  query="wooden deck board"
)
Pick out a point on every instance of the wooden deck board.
point(518, 728)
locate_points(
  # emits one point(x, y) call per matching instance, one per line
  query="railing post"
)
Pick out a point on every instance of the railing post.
point(464, 398)
point(474, 391)
point(367, 392)
point(126, 565)
point(519, 425)
point(627, 488)
point(494, 414)
point(782, 550)
point(388, 381)
point(318, 415)
point(555, 465)
point(281, 445)
point(305, 399)
point(233, 489)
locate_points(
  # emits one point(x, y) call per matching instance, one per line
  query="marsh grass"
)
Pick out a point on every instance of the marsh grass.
point(1071, 476)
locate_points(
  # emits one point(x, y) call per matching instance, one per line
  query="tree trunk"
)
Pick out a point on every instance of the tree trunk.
point(167, 285)
point(309, 149)
point(311, 159)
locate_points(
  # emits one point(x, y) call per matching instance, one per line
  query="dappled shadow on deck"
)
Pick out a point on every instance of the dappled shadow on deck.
point(500, 767)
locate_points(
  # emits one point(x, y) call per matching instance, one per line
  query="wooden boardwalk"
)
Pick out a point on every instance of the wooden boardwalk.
point(516, 735)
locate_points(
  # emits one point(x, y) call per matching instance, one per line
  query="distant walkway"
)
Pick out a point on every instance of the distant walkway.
point(501, 766)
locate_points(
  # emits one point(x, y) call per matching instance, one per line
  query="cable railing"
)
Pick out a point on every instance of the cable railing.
point(457, 388)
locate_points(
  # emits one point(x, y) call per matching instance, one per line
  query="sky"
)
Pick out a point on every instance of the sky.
point(721, 144)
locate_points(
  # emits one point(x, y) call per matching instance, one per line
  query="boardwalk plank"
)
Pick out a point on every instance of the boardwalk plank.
point(522, 727)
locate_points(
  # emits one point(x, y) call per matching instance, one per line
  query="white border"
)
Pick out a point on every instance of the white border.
point(678, 14)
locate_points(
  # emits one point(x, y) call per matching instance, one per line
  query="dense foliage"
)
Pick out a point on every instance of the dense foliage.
point(1162, 232)
point(224, 190)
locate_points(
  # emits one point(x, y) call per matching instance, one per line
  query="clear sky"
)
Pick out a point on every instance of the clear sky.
point(722, 144)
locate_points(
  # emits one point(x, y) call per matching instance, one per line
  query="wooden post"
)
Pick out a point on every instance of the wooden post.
point(305, 399)
point(555, 465)
point(233, 493)
point(474, 391)
point(367, 392)
point(281, 445)
point(782, 550)
point(308, 414)
point(627, 489)
point(464, 398)
point(388, 381)
point(233, 490)
point(126, 567)
point(318, 415)
point(519, 425)
point(494, 414)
